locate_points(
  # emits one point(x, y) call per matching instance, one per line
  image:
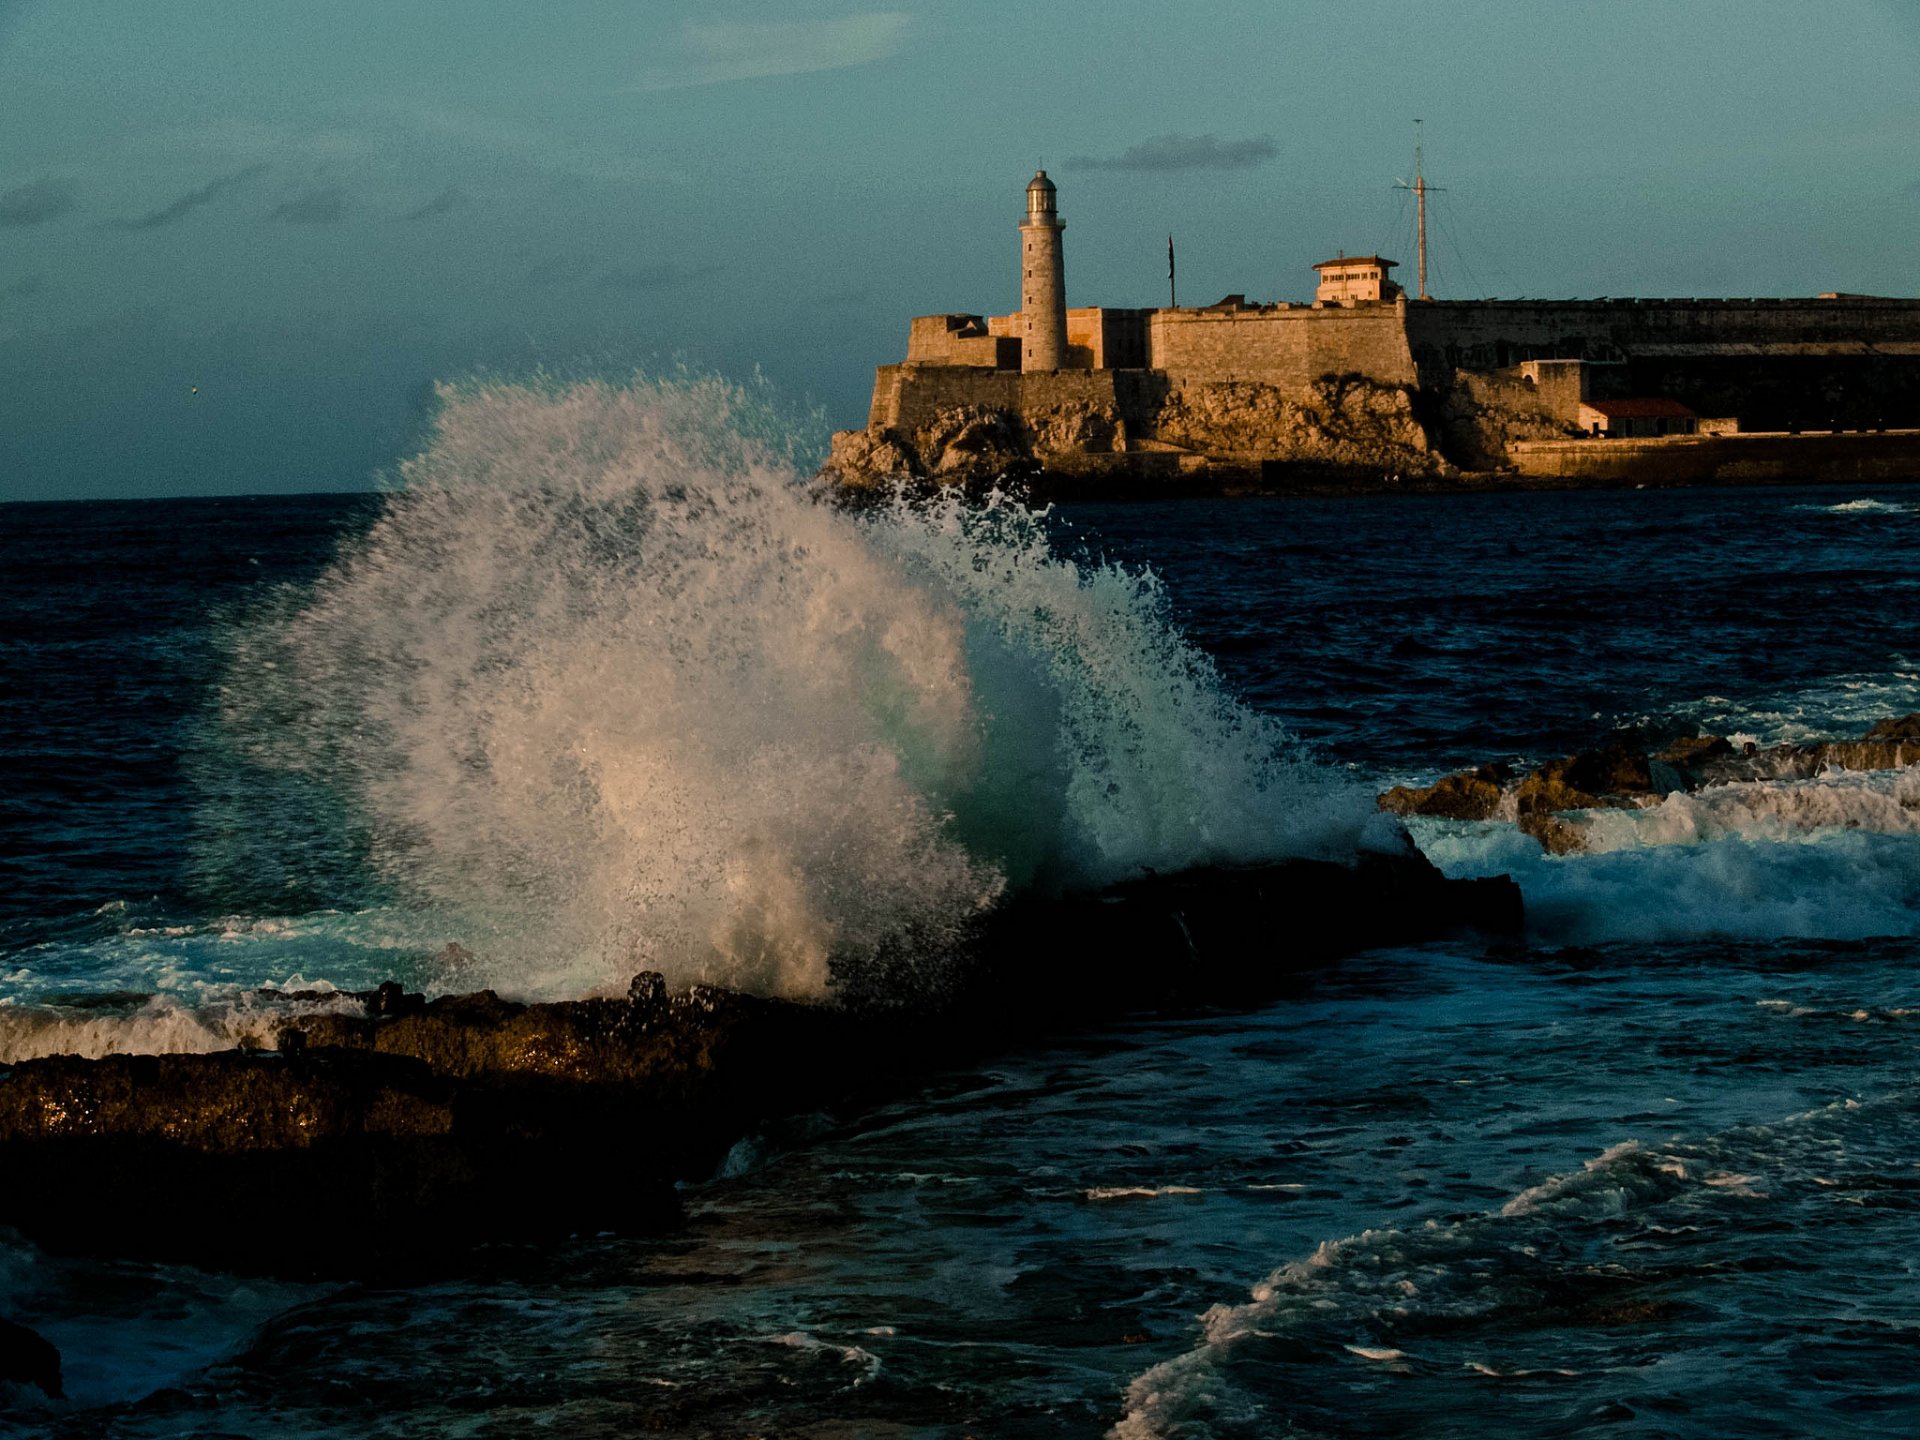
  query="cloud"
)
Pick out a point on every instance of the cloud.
point(1186, 152)
point(36, 203)
point(325, 206)
point(714, 54)
point(24, 286)
point(445, 203)
point(179, 209)
point(642, 278)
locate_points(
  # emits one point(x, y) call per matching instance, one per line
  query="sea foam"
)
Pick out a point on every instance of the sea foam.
point(610, 684)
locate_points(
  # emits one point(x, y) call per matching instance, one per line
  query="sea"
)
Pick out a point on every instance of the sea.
point(595, 683)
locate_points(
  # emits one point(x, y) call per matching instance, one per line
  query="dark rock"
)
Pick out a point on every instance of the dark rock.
point(1618, 768)
point(1869, 754)
point(413, 1130)
point(1691, 750)
point(1907, 727)
point(392, 998)
point(27, 1359)
point(1548, 790)
point(647, 991)
point(1469, 795)
point(1555, 835)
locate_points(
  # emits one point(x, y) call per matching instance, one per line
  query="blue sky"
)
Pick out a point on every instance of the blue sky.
point(311, 211)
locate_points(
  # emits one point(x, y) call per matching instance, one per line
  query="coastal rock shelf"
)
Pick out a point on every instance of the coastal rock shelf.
point(392, 1138)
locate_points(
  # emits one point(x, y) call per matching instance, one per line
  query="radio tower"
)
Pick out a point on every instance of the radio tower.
point(1420, 189)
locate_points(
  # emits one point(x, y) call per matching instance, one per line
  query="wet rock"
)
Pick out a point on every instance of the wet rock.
point(1906, 727)
point(1549, 789)
point(1870, 754)
point(28, 1359)
point(647, 991)
point(1689, 751)
point(1469, 795)
point(1617, 769)
point(406, 1131)
point(1556, 836)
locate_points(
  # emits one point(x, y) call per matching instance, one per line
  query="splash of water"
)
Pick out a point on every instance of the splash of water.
point(611, 686)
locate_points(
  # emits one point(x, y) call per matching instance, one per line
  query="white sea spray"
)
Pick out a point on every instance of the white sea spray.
point(608, 682)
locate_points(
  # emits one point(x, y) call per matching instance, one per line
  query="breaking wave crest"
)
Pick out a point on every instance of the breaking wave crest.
point(1457, 1299)
point(609, 686)
point(1833, 857)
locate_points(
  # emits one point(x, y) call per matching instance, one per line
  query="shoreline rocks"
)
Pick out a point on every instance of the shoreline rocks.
point(27, 1359)
point(1631, 771)
point(392, 1139)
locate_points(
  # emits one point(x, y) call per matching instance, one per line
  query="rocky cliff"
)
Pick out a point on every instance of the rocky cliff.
point(1251, 434)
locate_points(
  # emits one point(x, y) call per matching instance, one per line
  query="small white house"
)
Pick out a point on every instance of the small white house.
point(1354, 279)
point(1637, 419)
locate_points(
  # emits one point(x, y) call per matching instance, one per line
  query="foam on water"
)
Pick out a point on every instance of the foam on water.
point(610, 685)
point(1835, 705)
point(1865, 506)
point(1832, 858)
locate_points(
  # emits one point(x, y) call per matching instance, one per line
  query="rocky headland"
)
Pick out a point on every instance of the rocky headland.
point(1341, 431)
point(391, 1137)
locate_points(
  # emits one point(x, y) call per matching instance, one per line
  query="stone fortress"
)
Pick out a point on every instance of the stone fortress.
point(1367, 387)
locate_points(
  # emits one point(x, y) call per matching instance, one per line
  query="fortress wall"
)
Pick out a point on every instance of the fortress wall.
point(1288, 349)
point(1724, 460)
point(1775, 364)
point(1494, 334)
point(910, 396)
point(958, 340)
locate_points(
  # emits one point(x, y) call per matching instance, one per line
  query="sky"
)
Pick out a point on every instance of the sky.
point(240, 239)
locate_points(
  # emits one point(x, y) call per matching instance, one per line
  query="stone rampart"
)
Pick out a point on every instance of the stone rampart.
point(1724, 459)
point(1286, 348)
point(1495, 334)
point(908, 397)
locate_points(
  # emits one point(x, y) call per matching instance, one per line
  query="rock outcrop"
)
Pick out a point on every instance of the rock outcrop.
point(1478, 415)
point(1629, 770)
point(1348, 421)
point(28, 1359)
point(393, 1138)
point(1344, 425)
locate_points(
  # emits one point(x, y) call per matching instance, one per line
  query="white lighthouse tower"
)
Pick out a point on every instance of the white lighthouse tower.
point(1043, 280)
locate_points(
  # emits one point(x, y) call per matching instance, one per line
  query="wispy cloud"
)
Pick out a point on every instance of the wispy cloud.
point(36, 203)
point(324, 206)
point(179, 209)
point(714, 54)
point(1186, 152)
point(445, 203)
point(641, 278)
point(26, 285)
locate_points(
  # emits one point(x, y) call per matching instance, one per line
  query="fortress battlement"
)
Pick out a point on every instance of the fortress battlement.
point(1456, 382)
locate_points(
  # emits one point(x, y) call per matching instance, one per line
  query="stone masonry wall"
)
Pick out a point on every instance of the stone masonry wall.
point(1288, 349)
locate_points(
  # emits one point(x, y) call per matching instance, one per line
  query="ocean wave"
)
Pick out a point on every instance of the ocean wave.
point(155, 1025)
point(1414, 1298)
point(1834, 858)
point(608, 680)
point(1840, 704)
point(1864, 506)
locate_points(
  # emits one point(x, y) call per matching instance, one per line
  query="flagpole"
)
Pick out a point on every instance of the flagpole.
point(1173, 299)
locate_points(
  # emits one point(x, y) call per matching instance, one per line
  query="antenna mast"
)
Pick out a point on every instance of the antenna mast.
point(1420, 189)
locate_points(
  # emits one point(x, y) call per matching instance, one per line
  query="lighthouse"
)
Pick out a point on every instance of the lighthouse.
point(1043, 280)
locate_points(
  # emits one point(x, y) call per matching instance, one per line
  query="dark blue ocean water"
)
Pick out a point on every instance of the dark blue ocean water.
point(1656, 1172)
